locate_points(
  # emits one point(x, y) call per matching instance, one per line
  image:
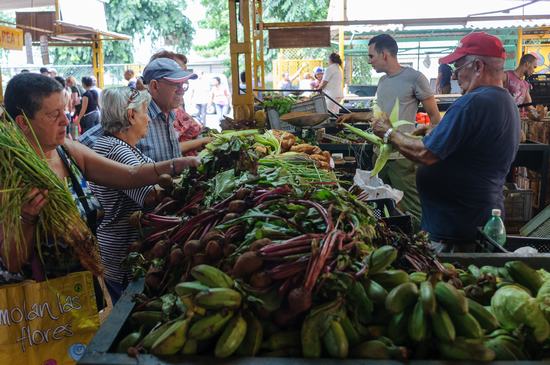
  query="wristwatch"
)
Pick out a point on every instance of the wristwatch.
point(387, 135)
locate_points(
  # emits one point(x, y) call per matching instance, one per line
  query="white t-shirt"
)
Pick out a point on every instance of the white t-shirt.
point(334, 78)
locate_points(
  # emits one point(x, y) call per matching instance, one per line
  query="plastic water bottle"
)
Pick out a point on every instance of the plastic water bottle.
point(494, 228)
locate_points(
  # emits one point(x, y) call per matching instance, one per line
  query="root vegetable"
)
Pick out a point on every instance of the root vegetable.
point(299, 300)
point(246, 264)
point(213, 236)
point(230, 216)
point(136, 246)
point(176, 257)
point(192, 247)
point(229, 249)
point(258, 244)
point(242, 193)
point(236, 206)
point(199, 259)
point(166, 182)
point(213, 250)
point(160, 249)
point(260, 280)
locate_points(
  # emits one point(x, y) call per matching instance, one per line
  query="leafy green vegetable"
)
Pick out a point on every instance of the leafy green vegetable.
point(282, 104)
point(514, 307)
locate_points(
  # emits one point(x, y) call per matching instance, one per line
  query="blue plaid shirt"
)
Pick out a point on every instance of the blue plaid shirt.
point(160, 143)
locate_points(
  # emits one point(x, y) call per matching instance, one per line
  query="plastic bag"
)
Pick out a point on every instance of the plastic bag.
point(375, 187)
point(50, 322)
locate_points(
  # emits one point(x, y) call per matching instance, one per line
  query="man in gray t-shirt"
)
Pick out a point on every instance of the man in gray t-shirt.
point(410, 87)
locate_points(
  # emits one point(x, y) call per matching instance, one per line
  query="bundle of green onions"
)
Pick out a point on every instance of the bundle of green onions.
point(21, 169)
point(300, 167)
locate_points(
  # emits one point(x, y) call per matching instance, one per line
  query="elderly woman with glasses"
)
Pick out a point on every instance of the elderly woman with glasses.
point(124, 120)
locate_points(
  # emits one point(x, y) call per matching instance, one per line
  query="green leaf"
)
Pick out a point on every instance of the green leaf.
point(394, 116)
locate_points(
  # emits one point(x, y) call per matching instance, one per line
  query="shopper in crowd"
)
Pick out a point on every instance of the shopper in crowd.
point(44, 71)
point(318, 74)
point(89, 111)
point(286, 81)
point(76, 95)
point(97, 89)
point(514, 80)
point(24, 71)
point(465, 159)
point(52, 72)
point(305, 83)
point(129, 76)
point(200, 96)
point(409, 87)
point(443, 81)
point(40, 99)
point(66, 95)
point(125, 121)
point(164, 78)
point(220, 97)
point(332, 83)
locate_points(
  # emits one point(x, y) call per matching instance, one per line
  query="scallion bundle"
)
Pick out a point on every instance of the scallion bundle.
point(21, 169)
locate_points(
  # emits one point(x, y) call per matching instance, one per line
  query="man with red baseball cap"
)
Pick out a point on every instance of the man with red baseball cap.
point(466, 157)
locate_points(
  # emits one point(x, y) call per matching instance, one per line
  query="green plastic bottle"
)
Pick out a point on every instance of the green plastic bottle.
point(494, 228)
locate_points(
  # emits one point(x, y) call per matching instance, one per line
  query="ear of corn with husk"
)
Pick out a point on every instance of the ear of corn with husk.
point(386, 149)
point(21, 169)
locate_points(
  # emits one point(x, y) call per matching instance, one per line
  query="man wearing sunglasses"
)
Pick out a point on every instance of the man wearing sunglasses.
point(465, 159)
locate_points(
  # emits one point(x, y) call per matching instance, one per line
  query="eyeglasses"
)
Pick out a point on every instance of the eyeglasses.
point(457, 69)
point(183, 86)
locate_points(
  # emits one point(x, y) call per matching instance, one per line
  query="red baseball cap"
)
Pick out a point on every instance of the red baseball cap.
point(476, 44)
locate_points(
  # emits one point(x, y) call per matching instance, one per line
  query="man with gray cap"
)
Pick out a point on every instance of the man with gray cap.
point(166, 82)
point(466, 157)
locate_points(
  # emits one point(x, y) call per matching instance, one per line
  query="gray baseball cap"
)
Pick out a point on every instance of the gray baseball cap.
point(168, 69)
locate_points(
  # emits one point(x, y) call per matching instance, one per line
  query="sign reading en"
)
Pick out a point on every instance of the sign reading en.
point(11, 38)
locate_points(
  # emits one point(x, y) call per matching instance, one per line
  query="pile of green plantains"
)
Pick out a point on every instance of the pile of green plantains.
point(279, 266)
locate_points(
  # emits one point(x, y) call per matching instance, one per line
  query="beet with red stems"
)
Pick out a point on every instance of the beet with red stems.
point(135, 219)
point(230, 216)
point(236, 206)
point(166, 182)
point(213, 250)
point(256, 245)
point(199, 259)
point(133, 351)
point(176, 258)
point(260, 280)
point(248, 263)
point(153, 278)
point(161, 249)
point(242, 193)
point(229, 249)
point(299, 300)
point(212, 235)
point(192, 247)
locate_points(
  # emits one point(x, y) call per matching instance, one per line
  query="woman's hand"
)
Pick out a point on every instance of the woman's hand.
point(182, 163)
point(35, 201)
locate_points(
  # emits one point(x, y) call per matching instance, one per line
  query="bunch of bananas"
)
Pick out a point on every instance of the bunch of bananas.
point(385, 313)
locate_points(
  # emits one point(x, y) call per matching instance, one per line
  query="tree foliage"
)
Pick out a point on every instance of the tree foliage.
point(217, 17)
point(159, 20)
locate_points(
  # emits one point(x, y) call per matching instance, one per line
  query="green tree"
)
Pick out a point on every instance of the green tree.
point(156, 19)
point(217, 17)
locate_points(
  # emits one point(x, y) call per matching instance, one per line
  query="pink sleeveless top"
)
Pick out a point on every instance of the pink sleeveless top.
point(517, 87)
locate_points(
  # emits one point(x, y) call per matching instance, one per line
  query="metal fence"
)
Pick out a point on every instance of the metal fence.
point(113, 76)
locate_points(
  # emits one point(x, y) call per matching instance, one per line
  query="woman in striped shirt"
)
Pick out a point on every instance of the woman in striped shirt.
point(124, 119)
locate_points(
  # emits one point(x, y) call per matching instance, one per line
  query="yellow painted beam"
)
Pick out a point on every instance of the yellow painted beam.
point(519, 50)
point(98, 60)
point(243, 104)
